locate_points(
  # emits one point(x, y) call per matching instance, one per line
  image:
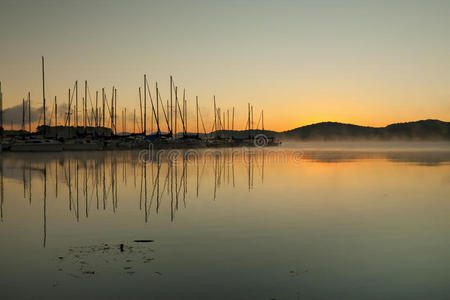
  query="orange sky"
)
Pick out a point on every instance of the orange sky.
point(302, 62)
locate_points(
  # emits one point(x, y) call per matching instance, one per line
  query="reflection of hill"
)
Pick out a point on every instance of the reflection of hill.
point(417, 157)
point(332, 131)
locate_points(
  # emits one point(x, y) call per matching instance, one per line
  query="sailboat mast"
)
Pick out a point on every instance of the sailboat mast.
point(215, 114)
point(96, 108)
point(248, 120)
point(29, 112)
point(171, 116)
point(140, 107)
point(185, 115)
point(228, 119)
point(115, 110)
point(176, 104)
point(23, 114)
point(184, 112)
point(196, 109)
point(134, 121)
point(232, 121)
point(76, 104)
point(252, 116)
point(151, 120)
point(112, 110)
point(262, 119)
point(56, 112)
point(103, 107)
point(82, 111)
point(157, 107)
point(56, 123)
point(145, 104)
point(170, 129)
point(68, 110)
point(85, 104)
point(43, 91)
point(219, 122)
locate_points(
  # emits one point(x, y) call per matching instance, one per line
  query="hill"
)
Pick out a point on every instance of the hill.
point(429, 130)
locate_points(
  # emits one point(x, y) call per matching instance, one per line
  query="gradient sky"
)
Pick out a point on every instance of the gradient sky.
point(364, 62)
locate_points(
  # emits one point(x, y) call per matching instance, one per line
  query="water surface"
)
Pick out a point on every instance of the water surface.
point(279, 223)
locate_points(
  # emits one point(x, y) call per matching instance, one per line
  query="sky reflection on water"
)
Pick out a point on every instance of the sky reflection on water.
point(262, 225)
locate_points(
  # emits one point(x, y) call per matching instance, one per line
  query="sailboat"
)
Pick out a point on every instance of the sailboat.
point(38, 144)
point(83, 144)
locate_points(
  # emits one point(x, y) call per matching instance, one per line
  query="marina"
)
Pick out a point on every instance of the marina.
point(96, 126)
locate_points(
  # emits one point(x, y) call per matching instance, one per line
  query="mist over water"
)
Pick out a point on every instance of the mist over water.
point(304, 221)
point(368, 145)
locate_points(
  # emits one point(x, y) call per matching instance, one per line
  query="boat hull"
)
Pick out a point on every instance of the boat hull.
point(36, 148)
point(83, 147)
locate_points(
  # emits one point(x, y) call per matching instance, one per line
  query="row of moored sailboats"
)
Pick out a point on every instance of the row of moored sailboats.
point(98, 128)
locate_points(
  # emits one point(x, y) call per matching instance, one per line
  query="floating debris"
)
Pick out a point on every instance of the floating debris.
point(89, 272)
point(96, 259)
point(143, 241)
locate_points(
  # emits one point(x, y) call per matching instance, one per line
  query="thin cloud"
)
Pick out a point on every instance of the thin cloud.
point(14, 114)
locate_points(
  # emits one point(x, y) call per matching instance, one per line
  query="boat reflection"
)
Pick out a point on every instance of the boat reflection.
point(95, 179)
point(159, 184)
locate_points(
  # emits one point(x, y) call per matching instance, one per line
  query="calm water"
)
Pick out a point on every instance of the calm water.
point(278, 224)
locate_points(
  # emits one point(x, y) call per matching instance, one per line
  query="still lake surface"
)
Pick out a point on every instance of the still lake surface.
point(285, 223)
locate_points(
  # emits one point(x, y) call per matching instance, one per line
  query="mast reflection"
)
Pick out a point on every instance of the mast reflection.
point(158, 185)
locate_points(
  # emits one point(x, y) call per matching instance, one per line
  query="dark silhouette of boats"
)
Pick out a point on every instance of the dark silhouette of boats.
point(95, 127)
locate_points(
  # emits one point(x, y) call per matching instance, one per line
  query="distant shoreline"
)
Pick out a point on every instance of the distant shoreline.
point(423, 130)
